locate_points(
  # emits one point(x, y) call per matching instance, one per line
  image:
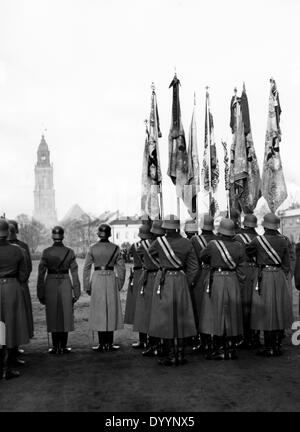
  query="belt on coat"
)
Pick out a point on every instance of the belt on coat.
point(251, 264)
point(104, 268)
point(137, 268)
point(163, 276)
point(222, 269)
point(58, 272)
point(271, 267)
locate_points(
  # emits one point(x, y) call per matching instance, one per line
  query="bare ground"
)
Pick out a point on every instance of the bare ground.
point(126, 381)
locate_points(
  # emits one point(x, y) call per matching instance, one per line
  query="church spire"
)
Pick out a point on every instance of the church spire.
point(43, 154)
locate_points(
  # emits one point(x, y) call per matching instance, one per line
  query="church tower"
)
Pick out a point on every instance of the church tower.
point(44, 194)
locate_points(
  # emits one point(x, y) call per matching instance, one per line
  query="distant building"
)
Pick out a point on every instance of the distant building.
point(44, 194)
point(290, 224)
point(125, 230)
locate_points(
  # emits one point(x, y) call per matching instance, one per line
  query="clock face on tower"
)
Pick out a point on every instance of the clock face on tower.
point(43, 157)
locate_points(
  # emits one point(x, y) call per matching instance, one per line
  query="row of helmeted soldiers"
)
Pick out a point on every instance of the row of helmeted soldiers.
point(225, 288)
point(221, 287)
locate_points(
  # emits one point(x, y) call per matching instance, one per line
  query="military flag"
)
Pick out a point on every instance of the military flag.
point(273, 183)
point(178, 157)
point(245, 182)
point(151, 174)
point(193, 186)
point(210, 169)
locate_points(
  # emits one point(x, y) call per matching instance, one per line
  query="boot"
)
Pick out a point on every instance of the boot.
point(170, 358)
point(232, 355)
point(200, 343)
point(142, 343)
point(218, 349)
point(152, 348)
point(278, 340)
point(109, 342)
point(255, 334)
point(162, 348)
point(101, 339)
point(55, 342)
point(63, 343)
point(208, 347)
point(8, 371)
point(268, 350)
point(181, 359)
point(16, 361)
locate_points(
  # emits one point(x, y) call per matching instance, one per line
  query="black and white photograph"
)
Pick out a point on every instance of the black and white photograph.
point(149, 209)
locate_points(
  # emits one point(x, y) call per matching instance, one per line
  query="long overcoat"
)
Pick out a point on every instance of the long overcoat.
point(25, 285)
point(13, 272)
point(54, 286)
point(251, 271)
point(104, 286)
point(172, 314)
point(271, 304)
point(224, 290)
point(145, 288)
point(202, 299)
point(132, 289)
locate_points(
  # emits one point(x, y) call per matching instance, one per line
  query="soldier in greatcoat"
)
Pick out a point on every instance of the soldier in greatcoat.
point(151, 269)
point(190, 230)
point(132, 290)
point(56, 291)
point(104, 288)
point(13, 230)
point(271, 304)
point(14, 329)
point(245, 236)
point(226, 258)
point(172, 316)
point(297, 270)
point(204, 312)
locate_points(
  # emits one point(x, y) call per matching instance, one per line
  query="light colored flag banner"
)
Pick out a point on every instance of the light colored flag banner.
point(2, 333)
point(273, 184)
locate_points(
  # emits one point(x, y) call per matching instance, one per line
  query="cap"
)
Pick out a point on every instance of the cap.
point(250, 220)
point(144, 232)
point(226, 227)
point(157, 227)
point(4, 228)
point(104, 231)
point(171, 222)
point(57, 233)
point(271, 221)
point(208, 223)
point(191, 226)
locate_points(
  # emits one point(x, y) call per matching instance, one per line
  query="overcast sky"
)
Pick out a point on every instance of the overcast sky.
point(83, 69)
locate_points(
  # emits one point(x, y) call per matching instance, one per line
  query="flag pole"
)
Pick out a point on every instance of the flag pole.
point(197, 209)
point(158, 136)
point(208, 148)
point(236, 113)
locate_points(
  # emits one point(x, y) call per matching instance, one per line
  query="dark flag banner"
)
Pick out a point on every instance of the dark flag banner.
point(210, 169)
point(193, 186)
point(151, 174)
point(273, 184)
point(245, 182)
point(178, 157)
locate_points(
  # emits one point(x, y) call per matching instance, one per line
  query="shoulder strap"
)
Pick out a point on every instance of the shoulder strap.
point(112, 256)
point(269, 249)
point(245, 237)
point(227, 258)
point(64, 259)
point(201, 240)
point(146, 245)
point(169, 253)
